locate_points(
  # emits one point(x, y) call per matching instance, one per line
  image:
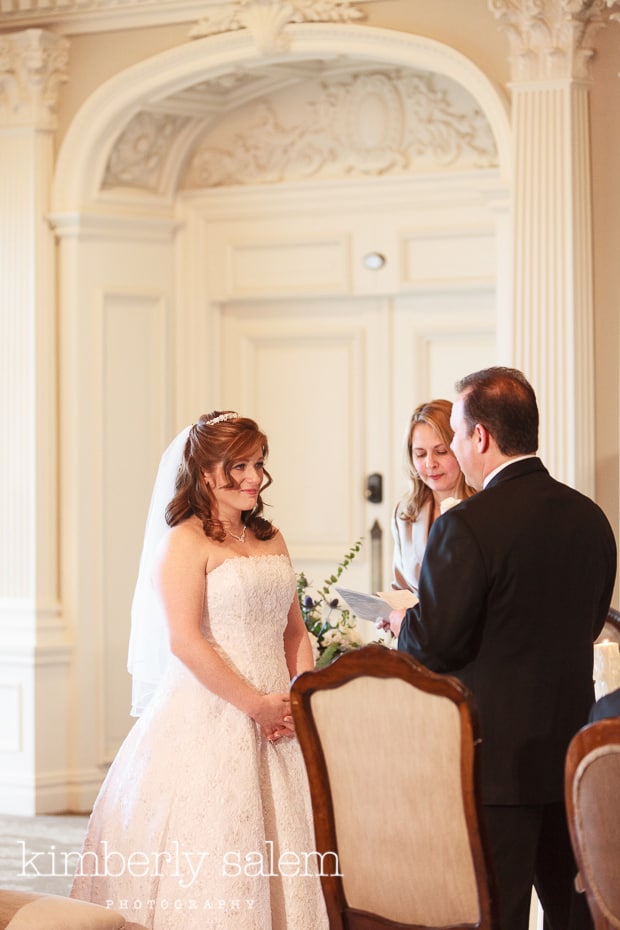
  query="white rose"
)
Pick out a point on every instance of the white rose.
point(333, 636)
point(448, 502)
point(352, 638)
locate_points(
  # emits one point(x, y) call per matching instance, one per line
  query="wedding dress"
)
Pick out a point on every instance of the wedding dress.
point(201, 823)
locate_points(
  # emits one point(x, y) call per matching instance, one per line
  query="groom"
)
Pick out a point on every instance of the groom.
point(515, 586)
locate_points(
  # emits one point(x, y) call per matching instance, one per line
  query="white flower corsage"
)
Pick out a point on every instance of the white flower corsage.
point(448, 502)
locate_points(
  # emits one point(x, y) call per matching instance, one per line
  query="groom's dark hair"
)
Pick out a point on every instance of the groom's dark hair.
point(503, 401)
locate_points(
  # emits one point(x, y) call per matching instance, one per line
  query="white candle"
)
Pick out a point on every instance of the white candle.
point(606, 668)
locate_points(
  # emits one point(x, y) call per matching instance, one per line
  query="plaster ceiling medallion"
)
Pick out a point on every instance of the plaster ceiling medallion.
point(266, 19)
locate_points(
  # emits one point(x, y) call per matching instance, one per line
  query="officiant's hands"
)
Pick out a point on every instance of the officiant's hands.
point(395, 621)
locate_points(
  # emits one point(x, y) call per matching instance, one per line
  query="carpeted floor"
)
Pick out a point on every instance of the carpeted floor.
point(35, 852)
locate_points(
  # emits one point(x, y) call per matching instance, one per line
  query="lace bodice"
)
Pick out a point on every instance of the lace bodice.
point(246, 608)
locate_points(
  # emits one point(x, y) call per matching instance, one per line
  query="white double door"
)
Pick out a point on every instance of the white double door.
point(333, 381)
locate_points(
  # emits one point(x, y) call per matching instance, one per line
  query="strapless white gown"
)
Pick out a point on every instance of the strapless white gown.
point(201, 823)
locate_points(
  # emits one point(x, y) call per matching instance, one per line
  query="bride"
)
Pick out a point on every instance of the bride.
point(204, 819)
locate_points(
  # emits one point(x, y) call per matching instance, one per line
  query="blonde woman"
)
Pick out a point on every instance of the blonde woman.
point(435, 476)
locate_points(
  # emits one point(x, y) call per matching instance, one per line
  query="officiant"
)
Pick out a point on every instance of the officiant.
point(435, 480)
point(514, 588)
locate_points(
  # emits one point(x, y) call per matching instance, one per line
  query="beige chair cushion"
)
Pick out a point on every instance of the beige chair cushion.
point(26, 911)
point(398, 813)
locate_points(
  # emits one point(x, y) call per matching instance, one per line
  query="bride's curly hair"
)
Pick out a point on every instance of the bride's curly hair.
point(218, 438)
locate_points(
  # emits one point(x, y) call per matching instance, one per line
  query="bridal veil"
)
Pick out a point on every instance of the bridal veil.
point(148, 642)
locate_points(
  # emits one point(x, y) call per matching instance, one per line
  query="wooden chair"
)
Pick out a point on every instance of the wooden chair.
point(611, 628)
point(592, 789)
point(390, 750)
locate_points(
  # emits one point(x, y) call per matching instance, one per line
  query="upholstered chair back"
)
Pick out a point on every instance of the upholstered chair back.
point(390, 750)
point(593, 807)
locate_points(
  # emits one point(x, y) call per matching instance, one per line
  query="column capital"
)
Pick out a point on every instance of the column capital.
point(33, 64)
point(550, 39)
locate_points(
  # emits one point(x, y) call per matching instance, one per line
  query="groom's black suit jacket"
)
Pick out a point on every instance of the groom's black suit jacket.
point(515, 586)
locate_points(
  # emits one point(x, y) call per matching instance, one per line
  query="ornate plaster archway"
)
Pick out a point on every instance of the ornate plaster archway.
point(95, 129)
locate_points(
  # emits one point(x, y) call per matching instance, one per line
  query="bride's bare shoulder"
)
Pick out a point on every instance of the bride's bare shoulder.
point(187, 539)
point(276, 545)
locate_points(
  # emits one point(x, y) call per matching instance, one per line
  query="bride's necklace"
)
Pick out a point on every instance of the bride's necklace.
point(240, 538)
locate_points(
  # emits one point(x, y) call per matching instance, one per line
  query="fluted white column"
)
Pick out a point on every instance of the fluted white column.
point(551, 47)
point(33, 644)
point(553, 272)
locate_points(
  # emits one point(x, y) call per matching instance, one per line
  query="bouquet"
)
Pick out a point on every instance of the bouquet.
point(331, 627)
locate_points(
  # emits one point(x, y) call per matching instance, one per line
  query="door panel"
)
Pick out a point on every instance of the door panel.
point(438, 338)
point(305, 371)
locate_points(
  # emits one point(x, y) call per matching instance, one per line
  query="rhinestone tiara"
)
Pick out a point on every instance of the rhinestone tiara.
point(222, 417)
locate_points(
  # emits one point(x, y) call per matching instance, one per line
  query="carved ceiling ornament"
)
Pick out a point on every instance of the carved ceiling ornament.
point(75, 16)
point(614, 5)
point(33, 64)
point(370, 123)
point(266, 19)
point(550, 39)
point(139, 156)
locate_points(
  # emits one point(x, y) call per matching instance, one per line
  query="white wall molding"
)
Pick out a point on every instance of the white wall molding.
point(363, 195)
point(113, 226)
point(58, 791)
point(88, 16)
point(32, 629)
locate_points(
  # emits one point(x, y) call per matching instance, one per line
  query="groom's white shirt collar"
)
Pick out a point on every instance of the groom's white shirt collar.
point(496, 471)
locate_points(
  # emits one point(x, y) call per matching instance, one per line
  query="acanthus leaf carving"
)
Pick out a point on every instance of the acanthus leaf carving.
point(550, 39)
point(266, 19)
point(33, 64)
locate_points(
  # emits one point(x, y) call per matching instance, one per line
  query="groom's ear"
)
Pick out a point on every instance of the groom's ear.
point(482, 438)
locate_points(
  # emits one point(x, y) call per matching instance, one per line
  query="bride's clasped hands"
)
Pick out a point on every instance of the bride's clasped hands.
point(274, 717)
